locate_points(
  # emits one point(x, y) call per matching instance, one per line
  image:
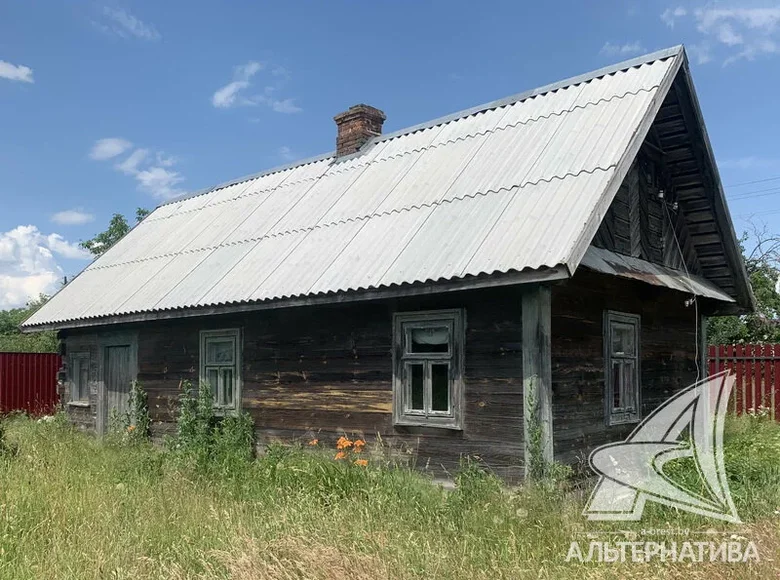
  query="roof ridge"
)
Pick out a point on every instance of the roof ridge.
point(449, 141)
point(549, 88)
point(571, 81)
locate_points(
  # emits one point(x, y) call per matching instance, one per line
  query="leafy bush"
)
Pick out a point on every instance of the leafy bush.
point(131, 426)
point(207, 442)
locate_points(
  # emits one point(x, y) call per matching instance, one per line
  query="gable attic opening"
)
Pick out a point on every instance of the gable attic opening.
point(671, 203)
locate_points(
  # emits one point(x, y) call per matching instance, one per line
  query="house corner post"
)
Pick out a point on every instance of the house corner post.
point(537, 380)
point(703, 347)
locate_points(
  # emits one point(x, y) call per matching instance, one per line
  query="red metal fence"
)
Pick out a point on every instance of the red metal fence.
point(757, 371)
point(28, 382)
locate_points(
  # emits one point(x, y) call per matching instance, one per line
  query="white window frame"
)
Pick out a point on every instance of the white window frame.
point(233, 334)
point(79, 393)
point(403, 359)
point(632, 413)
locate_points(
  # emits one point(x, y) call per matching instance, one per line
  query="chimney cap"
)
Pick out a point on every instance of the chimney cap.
point(360, 109)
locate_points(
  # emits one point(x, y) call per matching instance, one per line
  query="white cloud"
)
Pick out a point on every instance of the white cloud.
point(235, 93)
point(286, 153)
point(627, 49)
point(671, 15)
point(72, 217)
point(226, 96)
point(154, 173)
point(229, 95)
point(130, 165)
point(107, 148)
point(160, 182)
point(731, 33)
point(283, 106)
point(250, 69)
point(123, 24)
point(28, 266)
point(66, 249)
point(16, 72)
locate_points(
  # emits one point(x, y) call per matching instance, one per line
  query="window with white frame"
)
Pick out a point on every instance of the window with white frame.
point(220, 366)
point(621, 356)
point(428, 375)
point(79, 377)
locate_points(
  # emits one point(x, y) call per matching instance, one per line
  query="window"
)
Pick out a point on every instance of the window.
point(79, 377)
point(427, 381)
point(621, 356)
point(220, 366)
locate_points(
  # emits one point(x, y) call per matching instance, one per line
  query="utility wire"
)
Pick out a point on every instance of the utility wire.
point(756, 193)
point(756, 181)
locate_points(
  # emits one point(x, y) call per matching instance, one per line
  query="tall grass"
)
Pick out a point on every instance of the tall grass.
point(72, 506)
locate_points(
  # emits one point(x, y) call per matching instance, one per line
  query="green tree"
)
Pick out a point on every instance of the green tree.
point(762, 263)
point(12, 339)
point(117, 228)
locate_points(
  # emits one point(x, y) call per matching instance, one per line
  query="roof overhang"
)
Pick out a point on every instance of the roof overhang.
point(406, 290)
point(607, 262)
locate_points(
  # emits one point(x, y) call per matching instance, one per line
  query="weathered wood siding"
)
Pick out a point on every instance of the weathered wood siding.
point(322, 371)
point(640, 224)
point(667, 355)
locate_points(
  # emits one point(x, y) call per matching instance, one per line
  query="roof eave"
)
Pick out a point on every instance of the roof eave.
point(539, 275)
point(746, 298)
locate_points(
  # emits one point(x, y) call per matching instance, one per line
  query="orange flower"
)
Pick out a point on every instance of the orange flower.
point(131, 428)
point(359, 444)
point(340, 455)
point(314, 442)
point(361, 462)
point(343, 443)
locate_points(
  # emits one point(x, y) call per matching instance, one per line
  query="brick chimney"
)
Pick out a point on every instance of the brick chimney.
point(356, 126)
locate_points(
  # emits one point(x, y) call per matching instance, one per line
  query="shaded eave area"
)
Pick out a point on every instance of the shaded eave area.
point(678, 133)
point(687, 154)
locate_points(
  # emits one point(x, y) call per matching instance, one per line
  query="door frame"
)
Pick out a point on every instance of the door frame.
point(123, 338)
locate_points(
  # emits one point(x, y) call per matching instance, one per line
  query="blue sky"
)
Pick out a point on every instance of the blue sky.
point(105, 107)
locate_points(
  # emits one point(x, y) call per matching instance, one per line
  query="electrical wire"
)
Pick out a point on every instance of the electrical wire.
point(755, 181)
point(690, 287)
point(756, 193)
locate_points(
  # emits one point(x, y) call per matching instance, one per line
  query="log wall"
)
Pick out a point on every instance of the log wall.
point(324, 371)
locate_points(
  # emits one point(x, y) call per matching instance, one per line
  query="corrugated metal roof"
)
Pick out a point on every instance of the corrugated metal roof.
point(511, 186)
point(608, 262)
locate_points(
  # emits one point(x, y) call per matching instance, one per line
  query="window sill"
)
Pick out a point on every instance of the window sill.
point(620, 423)
point(78, 403)
point(427, 425)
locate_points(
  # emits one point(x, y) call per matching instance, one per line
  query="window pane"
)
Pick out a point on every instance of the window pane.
point(416, 387)
point(83, 391)
point(617, 385)
point(433, 339)
point(440, 387)
point(219, 351)
point(629, 386)
point(623, 339)
point(212, 377)
point(227, 387)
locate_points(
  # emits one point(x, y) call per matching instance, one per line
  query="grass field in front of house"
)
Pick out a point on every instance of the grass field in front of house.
point(73, 506)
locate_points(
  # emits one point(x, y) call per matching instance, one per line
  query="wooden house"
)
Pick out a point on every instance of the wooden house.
point(546, 261)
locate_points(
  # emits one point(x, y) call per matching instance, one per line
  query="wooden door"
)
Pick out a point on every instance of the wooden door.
point(118, 378)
